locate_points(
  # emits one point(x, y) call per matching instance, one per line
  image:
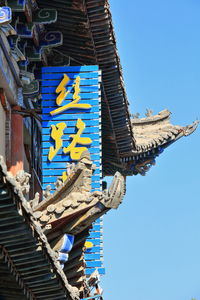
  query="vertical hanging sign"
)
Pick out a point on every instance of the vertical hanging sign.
point(70, 125)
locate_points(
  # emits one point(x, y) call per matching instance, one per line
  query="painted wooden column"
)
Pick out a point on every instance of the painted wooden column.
point(17, 142)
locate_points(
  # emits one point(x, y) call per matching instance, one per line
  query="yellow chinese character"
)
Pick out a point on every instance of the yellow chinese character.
point(75, 152)
point(56, 134)
point(62, 90)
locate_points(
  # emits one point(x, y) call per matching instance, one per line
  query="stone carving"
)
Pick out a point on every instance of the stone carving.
point(149, 113)
point(190, 128)
point(59, 183)
point(114, 195)
point(35, 201)
point(70, 168)
point(22, 178)
point(47, 192)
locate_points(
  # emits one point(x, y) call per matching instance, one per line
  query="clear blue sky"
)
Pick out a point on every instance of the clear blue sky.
point(152, 242)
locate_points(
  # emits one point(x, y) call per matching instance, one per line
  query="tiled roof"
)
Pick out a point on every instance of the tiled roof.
point(28, 265)
point(72, 209)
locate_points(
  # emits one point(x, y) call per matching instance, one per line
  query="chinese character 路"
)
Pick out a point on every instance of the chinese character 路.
point(75, 152)
point(56, 134)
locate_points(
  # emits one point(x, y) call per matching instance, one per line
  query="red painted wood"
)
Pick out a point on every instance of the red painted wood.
point(17, 143)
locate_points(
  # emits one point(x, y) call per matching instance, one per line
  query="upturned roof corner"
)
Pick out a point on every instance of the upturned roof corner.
point(151, 135)
point(189, 129)
point(157, 130)
point(74, 198)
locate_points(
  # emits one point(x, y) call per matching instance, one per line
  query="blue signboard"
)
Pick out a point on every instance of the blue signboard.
point(71, 123)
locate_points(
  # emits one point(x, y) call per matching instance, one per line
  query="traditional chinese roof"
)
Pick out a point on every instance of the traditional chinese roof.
point(72, 209)
point(152, 135)
point(88, 38)
point(28, 266)
point(154, 131)
point(81, 33)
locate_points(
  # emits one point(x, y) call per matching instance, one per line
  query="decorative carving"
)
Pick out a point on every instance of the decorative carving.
point(149, 113)
point(47, 192)
point(59, 183)
point(151, 136)
point(114, 196)
point(22, 178)
point(70, 168)
point(190, 128)
point(74, 198)
point(5, 15)
point(35, 201)
point(51, 39)
point(45, 16)
point(31, 89)
point(156, 131)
